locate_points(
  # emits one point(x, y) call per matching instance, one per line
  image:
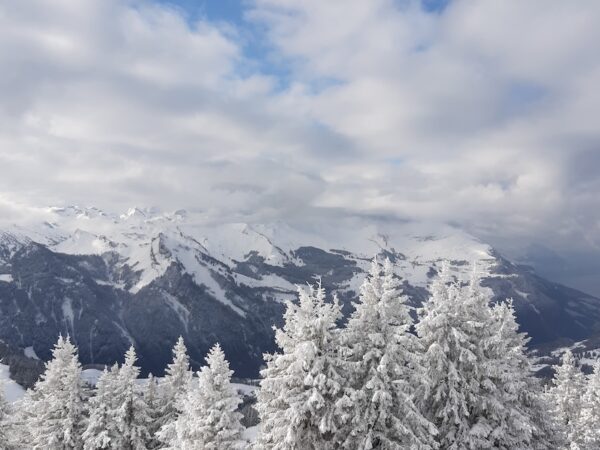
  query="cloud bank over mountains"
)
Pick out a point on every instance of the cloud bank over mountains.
point(481, 114)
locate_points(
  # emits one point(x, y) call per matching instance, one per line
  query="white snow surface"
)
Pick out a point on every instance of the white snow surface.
point(12, 390)
point(30, 353)
point(244, 389)
point(577, 346)
point(525, 295)
point(251, 434)
point(91, 376)
point(149, 241)
point(6, 277)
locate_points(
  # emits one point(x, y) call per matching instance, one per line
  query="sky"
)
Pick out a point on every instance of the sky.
point(480, 114)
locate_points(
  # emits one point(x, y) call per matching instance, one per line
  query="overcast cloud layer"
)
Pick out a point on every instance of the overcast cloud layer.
point(484, 114)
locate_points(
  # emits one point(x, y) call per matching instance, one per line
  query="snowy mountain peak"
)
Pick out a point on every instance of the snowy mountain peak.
point(76, 211)
point(147, 242)
point(108, 279)
point(137, 213)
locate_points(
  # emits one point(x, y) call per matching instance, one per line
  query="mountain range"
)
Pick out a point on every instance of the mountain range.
point(146, 277)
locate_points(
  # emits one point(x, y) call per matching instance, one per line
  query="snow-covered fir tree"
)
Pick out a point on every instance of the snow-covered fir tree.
point(132, 417)
point(52, 412)
point(383, 370)
point(173, 388)
point(209, 419)
point(449, 359)
point(588, 426)
point(119, 417)
point(566, 393)
point(150, 393)
point(154, 411)
point(102, 431)
point(477, 369)
point(301, 385)
point(517, 402)
point(5, 423)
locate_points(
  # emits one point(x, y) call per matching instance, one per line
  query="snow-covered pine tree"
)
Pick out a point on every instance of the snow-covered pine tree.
point(301, 385)
point(547, 424)
point(474, 360)
point(172, 390)
point(209, 419)
point(153, 403)
point(102, 431)
point(383, 370)
point(5, 424)
point(517, 409)
point(131, 414)
point(588, 426)
point(449, 360)
point(53, 411)
point(150, 394)
point(566, 393)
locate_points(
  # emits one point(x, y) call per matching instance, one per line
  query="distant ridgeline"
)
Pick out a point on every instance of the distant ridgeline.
point(145, 278)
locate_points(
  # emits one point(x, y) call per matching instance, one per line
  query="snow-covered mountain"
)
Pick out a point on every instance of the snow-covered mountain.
point(145, 277)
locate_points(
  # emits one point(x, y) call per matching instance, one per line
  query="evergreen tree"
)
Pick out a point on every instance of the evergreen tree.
point(450, 354)
point(154, 412)
point(119, 416)
point(383, 370)
point(300, 385)
point(173, 388)
point(518, 409)
point(131, 414)
point(53, 411)
point(476, 363)
point(567, 389)
point(102, 431)
point(588, 426)
point(209, 419)
point(5, 422)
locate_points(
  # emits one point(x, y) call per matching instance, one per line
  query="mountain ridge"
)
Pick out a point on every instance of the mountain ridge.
point(145, 277)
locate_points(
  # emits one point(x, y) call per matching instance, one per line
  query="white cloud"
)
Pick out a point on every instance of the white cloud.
point(483, 114)
point(481, 106)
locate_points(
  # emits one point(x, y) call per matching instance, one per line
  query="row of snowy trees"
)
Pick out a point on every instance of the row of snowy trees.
point(121, 413)
point(576, 403)
point(459, 378)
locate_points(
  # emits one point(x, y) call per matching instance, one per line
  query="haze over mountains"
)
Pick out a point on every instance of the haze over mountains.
point(146, 277)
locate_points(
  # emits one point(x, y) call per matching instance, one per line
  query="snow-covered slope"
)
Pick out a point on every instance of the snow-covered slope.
point(146, 276)
point(148, 242)
point(11, 390)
